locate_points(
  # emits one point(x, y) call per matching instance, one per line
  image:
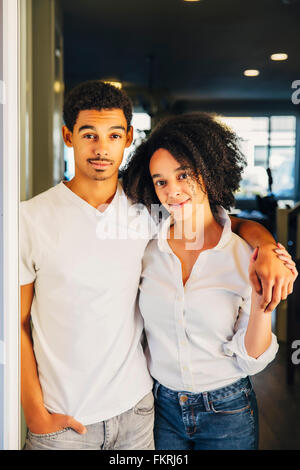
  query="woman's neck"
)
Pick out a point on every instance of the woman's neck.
point(200, 230)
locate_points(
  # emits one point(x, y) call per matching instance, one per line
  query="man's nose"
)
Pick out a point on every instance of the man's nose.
point(101, 149)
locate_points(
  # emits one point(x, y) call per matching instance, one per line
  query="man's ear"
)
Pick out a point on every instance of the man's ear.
point(129, 137)
point(67, 136)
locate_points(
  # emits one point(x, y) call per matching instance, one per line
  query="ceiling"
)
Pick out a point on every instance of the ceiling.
point(176, 51)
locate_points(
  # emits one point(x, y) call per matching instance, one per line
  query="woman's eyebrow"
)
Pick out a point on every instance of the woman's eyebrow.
point(182, 167)
point(157, 175)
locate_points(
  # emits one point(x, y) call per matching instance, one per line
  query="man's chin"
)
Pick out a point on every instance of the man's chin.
point(102, 175)
point(101, 178)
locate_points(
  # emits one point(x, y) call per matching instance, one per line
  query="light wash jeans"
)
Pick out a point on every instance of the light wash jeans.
point(131, 430)
point(224, 418)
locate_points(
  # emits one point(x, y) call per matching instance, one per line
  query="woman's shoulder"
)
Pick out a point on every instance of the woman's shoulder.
point(241, 250)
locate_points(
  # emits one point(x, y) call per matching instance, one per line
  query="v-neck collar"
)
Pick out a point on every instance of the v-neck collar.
point(88, 207)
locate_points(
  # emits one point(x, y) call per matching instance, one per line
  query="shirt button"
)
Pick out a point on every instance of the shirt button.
point(183, 398)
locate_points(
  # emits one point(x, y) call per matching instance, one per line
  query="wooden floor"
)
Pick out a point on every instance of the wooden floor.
point(279, 406)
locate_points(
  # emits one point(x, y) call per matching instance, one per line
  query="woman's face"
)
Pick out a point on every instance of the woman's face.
point(176, 189)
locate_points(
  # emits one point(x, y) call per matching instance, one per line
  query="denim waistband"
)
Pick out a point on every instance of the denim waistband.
point(243, 384)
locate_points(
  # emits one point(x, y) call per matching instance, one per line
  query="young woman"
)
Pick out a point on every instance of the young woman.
point(205, 328)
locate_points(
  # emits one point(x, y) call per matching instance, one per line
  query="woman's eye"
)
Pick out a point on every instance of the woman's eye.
point(183, 176)
point(159, 183)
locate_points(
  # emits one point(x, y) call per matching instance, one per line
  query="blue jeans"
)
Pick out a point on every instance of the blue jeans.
point(131, 430)
point(224, 418)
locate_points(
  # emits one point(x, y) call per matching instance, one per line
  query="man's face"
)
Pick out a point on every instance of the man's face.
point(98, 139)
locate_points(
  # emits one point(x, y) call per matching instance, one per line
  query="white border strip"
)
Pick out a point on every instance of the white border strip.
point(11, 223)
point(2, 92)
point(2, 353)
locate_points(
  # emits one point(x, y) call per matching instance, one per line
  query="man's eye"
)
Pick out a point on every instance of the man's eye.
point(159, 183)
point(89, 136)
point(116, 136)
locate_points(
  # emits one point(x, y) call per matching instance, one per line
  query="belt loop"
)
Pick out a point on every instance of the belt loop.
point(155, 388)
point(206, 402)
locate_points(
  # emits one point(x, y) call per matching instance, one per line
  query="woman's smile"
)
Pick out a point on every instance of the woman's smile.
point(178, 205)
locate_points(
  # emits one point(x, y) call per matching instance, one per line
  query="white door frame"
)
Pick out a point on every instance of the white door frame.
point(10, 239)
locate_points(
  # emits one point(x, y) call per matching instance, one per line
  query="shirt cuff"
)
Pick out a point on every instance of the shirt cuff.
point(250, 365)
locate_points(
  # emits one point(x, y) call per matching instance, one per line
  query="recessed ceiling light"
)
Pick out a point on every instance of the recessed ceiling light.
point(279, 56)
point(114, 83)
point(191, 0)
point(251, 73)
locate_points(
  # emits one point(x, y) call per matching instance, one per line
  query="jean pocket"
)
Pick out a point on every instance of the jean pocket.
point(237, 403)
point(145, 406)
point(49, 434)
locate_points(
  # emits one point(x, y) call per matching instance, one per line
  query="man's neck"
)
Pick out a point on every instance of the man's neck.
point(94, 192)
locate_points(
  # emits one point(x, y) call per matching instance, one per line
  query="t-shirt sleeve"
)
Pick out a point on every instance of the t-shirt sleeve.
point(236, 346)
point(27, 265)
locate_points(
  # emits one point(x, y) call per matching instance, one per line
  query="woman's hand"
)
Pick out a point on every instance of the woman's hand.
point(272, 273)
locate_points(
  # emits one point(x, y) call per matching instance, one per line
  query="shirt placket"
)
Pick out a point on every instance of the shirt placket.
point(180, 322)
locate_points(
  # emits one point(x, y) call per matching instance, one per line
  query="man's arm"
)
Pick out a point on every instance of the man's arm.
point(271, 275)
point(258, 335)
point(38, 419)
point(253, 232)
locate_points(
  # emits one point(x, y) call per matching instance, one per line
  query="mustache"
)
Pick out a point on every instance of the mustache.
point(100, 160)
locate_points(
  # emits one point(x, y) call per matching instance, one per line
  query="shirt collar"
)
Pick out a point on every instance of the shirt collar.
point(119, 199)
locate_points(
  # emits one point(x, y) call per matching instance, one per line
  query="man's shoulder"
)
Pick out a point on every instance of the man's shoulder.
point(40, 202)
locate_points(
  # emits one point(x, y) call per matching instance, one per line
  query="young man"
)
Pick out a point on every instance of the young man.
point(85, 383)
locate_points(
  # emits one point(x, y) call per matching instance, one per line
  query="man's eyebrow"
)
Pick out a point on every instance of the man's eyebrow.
point(118, 127)
point(182, 167)
point(82, 128)
point(87, 126)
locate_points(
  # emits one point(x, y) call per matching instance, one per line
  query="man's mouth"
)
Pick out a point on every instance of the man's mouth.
point(100, 164)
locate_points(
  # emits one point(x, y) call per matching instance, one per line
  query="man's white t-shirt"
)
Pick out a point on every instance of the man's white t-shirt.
point(86, 267)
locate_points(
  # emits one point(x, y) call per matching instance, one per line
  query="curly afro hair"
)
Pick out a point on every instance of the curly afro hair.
point(199, 141)
point(97, 95)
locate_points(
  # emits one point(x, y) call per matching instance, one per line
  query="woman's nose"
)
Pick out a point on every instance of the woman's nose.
point(173, 190)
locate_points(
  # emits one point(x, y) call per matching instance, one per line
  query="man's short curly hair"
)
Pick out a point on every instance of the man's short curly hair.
point(198, 140)
point(97, 95)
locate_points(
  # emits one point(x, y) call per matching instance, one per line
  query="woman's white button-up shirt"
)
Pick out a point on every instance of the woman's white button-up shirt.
point(195, 333)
